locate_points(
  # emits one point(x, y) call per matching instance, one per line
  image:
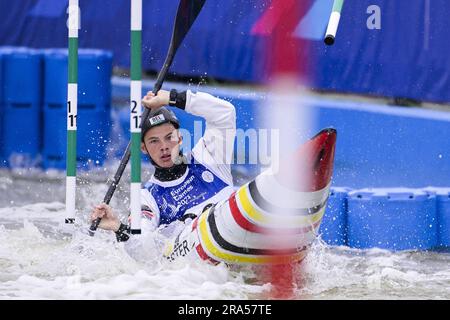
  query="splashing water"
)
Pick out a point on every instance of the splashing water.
point(40, 260)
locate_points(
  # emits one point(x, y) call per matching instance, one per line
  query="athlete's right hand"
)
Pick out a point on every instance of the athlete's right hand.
point(154, 102)
point(109, 220)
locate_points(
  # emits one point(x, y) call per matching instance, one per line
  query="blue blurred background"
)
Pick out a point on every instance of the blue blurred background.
point(377, 145)
point(407, 57)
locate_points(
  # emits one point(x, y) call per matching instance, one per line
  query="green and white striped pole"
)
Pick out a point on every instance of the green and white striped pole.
point(333, 23)
point(72, 103)
point(135, 114)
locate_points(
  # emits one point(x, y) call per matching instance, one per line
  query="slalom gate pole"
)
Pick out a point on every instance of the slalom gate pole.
point(72, 103)
point(135, 114)
point(333, 23)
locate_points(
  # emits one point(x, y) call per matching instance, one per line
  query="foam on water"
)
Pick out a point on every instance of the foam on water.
point(40, 260)
point(345, 273)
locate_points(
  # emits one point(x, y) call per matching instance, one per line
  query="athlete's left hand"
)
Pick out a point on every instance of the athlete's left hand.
point(109, 219)
point(151, 101)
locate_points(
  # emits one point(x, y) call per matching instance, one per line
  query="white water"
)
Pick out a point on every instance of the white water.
point(38, 260)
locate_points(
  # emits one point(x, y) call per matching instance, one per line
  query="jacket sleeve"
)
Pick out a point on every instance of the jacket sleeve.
point(217, 144)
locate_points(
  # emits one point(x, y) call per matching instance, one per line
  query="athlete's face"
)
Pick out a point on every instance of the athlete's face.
point(162, 143)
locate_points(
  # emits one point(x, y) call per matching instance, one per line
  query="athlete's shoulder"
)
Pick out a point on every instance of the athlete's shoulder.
point(204, 161)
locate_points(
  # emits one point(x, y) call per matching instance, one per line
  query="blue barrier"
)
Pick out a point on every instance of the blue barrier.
point(443, 208)
point(377, 145)
point(394, 219)
point(2, 159)
point(3, 52)
point(94, 79)
point(92, 138)
point(225, 42)
point(22, 76)
point(333, 228)
point(22, 96)
point(443, 214)
point(94, 107)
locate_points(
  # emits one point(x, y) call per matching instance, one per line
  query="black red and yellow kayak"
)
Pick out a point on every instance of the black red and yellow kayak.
point(270, 220)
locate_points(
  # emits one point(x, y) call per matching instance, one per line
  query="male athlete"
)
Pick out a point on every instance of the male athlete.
point(183, 185)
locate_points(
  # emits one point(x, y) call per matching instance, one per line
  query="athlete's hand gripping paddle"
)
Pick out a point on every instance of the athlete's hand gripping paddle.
point(188, 11)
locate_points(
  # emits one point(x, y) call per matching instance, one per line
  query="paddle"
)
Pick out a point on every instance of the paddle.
point(188, 11)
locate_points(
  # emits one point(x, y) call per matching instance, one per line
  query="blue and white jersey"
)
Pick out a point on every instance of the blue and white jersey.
point(208, 176)
point(188, 194)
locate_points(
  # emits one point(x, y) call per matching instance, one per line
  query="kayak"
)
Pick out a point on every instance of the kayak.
point(273, 219)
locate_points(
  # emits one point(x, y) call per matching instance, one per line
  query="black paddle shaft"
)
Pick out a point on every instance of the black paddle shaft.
point(188, 10)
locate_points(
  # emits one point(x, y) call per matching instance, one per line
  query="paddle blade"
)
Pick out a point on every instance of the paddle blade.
point(188, 10)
